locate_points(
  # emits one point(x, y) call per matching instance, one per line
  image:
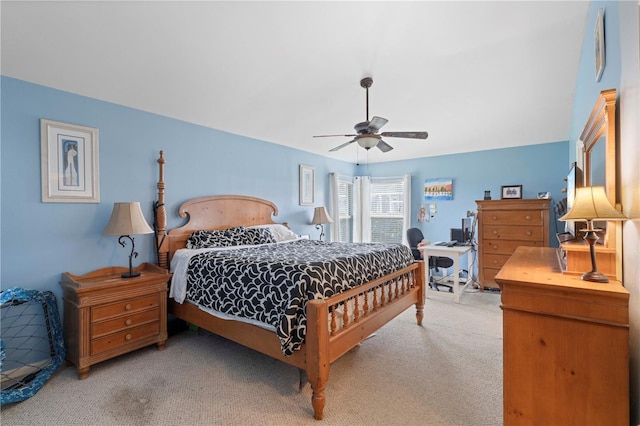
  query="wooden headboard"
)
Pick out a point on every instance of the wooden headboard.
point(206, 213)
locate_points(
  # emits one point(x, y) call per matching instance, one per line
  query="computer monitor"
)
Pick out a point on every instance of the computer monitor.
point(457, 235)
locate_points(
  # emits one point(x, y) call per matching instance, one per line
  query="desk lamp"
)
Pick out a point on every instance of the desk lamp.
point(591, 203)
point(320, 217)
point(126, 220)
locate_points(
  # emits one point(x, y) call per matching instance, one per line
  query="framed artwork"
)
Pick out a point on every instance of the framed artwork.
point(307, 185)
point(438, 189)
point(598, 44)
point(69, 160)
point(511, 191)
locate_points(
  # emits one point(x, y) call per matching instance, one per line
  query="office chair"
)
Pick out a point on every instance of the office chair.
point(414, 237)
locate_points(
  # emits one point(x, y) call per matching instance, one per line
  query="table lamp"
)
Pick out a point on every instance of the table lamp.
point(126, 220)
point(320, 217)
point(591, 203)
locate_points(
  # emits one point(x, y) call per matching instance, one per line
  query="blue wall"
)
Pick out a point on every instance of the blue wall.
point(41, 240)
point(538, 168)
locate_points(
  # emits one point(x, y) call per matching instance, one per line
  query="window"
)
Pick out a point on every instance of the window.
point(345, 208)
point(387, 210)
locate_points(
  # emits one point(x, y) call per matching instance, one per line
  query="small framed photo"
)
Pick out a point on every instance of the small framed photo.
point(511, 191)
point(69, 162)
point(307, 185)
point(598, 44)
point(544, 195)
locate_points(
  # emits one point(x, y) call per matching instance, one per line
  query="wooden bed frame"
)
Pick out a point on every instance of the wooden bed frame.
point(327, 337)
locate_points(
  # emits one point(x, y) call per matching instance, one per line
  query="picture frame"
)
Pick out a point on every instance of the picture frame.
point(511, 192)
point(438, 189)
point(307, 185)
point(544, 195)
point(69, 163)
point(598, 44)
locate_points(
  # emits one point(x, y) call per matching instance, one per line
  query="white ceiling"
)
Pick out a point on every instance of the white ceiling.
point(476, 75)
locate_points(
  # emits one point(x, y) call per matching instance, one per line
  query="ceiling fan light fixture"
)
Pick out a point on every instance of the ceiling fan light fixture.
point(368, 142)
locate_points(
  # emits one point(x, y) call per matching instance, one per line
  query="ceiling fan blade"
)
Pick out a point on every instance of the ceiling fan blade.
point(408, 135)
point(383, 146)
point(376, 123)
point(342, 146)
point(333, 136)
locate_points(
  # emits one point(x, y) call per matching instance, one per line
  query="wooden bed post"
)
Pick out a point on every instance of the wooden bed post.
point(318, 362)
point(422, 293)
point(161, 218)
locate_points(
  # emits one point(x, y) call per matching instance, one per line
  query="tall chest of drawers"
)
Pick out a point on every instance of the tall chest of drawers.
point(504, 225)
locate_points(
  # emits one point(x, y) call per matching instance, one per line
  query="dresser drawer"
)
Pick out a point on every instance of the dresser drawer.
point(124, 307)
point(102, 328)
point(489, 277)
point(505, 246)
point(504, 232)
point(514, 217)
point(494, 260)
point(116, 340)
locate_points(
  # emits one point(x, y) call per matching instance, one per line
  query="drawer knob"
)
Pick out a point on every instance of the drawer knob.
point(528, 233)
point(528, 217)
point(127, 337)
point(128, 307)
point(128, 322)
point(495, 247)
point(494, 232)
point(495, 261)
point(494, 217)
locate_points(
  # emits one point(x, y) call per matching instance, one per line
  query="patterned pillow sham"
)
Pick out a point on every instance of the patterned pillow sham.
point(218, 238)
point(253, 236)
point(238, 236)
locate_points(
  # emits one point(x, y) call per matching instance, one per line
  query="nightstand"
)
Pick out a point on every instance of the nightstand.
point(106, 315)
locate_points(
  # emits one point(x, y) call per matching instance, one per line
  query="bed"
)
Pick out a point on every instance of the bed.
point(333, 325)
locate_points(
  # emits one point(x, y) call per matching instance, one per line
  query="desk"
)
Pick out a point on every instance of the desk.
point(453, 253)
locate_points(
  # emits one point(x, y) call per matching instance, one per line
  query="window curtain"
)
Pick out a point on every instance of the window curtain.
point(407, 207)
point(334, 207)
point(361, 209)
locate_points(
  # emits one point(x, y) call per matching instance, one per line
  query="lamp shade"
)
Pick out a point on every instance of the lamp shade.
point(591, 203)
point(127, 219)
point(367, 142)
point(320, 216)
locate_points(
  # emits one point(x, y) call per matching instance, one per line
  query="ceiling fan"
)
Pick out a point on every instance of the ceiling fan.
point(367, 136)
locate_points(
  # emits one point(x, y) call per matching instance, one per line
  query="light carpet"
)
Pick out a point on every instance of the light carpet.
point(447, 372)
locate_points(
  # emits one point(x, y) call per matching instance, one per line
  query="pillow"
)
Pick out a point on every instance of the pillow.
point(254, 236)
point(217, 238)
point(280, 232)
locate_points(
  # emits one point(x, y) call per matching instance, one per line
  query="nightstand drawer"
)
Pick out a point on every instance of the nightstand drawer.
point(124, 337)
point(99, 329)
point(504, 232)
point(514, 217)
point(127, 306)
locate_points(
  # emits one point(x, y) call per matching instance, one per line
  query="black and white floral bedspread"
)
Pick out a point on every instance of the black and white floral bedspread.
point(272, 283)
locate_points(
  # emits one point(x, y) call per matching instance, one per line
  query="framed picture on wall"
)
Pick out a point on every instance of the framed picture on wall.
point(307, 185)
point(598, 44)
point(69, 162)
point(511, 191)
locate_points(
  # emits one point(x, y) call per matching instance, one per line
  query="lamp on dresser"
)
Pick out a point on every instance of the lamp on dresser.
point(320, 218)
point(591, 203)
point(126, 220)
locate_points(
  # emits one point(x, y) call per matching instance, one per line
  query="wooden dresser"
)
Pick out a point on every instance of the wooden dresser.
point(504, 225)
point(106, 315)
point(566, 344)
